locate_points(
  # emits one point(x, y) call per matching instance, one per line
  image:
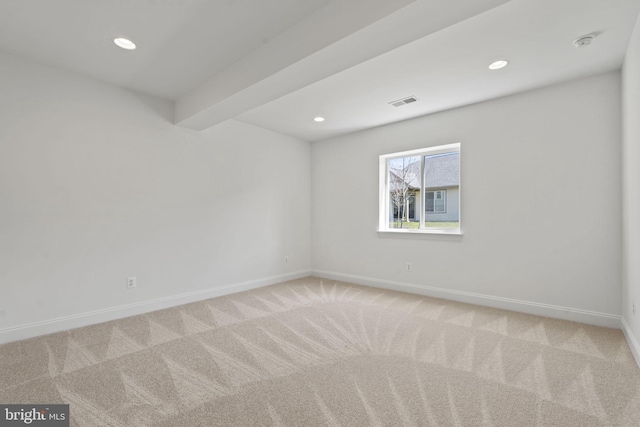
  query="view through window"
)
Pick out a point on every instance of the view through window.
point(420, 190)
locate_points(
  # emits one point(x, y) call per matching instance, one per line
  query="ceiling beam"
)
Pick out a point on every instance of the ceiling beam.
point(337, 37)
point(289, 61)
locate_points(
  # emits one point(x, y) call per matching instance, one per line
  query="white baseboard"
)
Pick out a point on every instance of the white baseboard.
point(90, 318)
point(631, 340)
point(546, 310)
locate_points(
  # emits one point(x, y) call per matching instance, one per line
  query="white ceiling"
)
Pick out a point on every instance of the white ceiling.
point(181, 42)
point(279, 63)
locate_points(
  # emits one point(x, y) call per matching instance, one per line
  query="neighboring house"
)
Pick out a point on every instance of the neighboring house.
point(442, 186)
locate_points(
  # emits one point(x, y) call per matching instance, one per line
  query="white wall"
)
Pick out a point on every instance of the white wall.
point(97, 184)
point(631, 191)
point(540, 202)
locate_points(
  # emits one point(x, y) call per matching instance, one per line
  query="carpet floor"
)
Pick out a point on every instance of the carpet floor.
point(314, 352)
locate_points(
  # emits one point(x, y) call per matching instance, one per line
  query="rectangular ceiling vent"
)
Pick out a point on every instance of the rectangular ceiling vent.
point(404, 101)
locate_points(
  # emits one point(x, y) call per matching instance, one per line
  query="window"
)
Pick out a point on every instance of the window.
point(420, 190)
point(436, 201)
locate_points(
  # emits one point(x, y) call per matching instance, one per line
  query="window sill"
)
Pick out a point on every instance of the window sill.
point(454, 232)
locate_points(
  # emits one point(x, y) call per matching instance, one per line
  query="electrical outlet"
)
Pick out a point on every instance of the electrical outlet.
point(409, 266)
point(131, 282)
point(286, 259)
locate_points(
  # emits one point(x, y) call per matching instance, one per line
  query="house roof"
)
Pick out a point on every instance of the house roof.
point(442, 170)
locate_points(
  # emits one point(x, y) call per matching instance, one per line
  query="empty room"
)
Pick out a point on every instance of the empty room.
point(320, 212)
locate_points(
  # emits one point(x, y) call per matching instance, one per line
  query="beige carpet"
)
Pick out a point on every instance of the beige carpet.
point(314, 352)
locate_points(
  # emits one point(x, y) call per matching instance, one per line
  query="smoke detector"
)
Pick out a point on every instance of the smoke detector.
point(404, 101)
point(585, 40)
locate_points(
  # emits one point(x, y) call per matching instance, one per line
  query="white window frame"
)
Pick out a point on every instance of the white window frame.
point(383, 208)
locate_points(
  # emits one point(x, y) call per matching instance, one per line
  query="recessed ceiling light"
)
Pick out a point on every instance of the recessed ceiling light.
point(124, 43)
point(498, 64)
point(318, 119)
